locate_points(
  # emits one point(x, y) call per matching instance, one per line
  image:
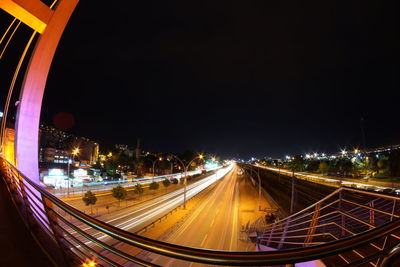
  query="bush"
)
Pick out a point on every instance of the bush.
point(154, 186)
point(138, 189)
point(166, 183)
point(380, 175)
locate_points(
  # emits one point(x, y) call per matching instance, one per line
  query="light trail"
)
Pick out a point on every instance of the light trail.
point(331, 181)
point(162, 205)
point(103, 186)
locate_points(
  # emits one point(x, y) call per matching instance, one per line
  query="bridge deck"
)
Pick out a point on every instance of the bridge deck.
point(17, 246)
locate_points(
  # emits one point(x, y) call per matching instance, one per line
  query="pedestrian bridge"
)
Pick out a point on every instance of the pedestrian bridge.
point(347, 228)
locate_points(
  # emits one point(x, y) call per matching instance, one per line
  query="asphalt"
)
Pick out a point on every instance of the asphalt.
point(17, 246)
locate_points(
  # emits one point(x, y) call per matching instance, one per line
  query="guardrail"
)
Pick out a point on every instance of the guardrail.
point(79, 245)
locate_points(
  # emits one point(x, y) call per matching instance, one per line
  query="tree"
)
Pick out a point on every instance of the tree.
point(90, 199)
point(394, 163)
point(381, 164)
point(138, 189)
point(166, 183)
point(110, 166)
point(296, 164)
point(312, 165)
point(323, 167)
point(119, 193)
point(154, 186)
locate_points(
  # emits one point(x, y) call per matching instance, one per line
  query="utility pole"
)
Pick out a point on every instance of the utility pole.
point(293, 194)
point(69, 162)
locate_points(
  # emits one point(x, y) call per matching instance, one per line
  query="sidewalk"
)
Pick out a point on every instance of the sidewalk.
point(248, 210)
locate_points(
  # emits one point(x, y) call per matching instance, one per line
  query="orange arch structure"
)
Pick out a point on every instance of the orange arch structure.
point(50, 23)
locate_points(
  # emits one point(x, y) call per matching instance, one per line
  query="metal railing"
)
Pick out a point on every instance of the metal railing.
point(85, 237)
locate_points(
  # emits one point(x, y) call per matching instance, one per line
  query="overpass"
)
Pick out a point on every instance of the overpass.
point(355, 226)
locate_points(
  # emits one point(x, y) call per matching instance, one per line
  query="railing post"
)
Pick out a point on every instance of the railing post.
point(386, 237)
point(270, 234)
point(27, 208)
point(313, 223)
point(342, 217)
point(284, 233)
point(371, 214)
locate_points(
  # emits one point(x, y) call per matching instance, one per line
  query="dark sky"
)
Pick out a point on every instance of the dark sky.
point(235, 78)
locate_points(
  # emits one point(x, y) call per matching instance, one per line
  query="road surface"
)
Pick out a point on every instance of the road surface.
point(214, 224)
point(136, 217)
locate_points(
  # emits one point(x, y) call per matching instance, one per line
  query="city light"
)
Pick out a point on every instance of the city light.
point(75, 151)
point(89, 263)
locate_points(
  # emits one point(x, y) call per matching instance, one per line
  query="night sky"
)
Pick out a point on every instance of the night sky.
point(234, 78)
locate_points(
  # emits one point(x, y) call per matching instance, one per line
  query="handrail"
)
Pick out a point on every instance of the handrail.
point(224, 257)
point(393, 255)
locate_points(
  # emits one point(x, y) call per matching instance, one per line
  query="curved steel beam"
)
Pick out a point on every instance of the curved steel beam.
point(28, 113)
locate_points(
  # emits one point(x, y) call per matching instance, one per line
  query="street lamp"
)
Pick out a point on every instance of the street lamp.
point(75, 152)
point(185, 167)
point(154, 164)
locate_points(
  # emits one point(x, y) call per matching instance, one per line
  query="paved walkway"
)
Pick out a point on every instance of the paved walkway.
point(17, 246)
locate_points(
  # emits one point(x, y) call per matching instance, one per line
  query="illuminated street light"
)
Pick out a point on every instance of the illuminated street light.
point(343, 152)
point(74, 153)
point(185, 167)
point(154, 165)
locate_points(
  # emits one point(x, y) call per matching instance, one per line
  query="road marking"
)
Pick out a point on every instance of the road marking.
point(212, 222)
point(202, 242)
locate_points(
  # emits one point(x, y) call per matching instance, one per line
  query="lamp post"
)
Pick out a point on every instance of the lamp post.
point(154, 164)
point(185, 167)
point(74, 153)
point(215, 160)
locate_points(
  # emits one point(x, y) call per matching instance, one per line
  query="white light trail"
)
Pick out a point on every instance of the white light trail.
point(162, 205)
point(329, 180)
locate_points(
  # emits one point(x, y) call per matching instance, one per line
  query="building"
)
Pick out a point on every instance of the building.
point(50, 154)
point(56, 146)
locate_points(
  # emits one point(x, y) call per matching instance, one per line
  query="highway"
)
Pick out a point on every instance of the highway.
point(214, 224)
point(105, 187)
point(138, 216)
